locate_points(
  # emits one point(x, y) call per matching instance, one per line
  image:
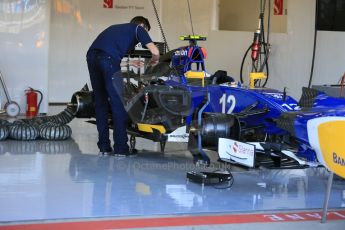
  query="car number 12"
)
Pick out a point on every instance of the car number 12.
point(225, 100)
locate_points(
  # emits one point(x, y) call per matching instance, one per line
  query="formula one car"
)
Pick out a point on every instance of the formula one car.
point(179, 101)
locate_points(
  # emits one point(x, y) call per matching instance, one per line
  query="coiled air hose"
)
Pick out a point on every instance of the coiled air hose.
point(21, 130)
point(54, 131)
point(4, 132)
point(49, 128)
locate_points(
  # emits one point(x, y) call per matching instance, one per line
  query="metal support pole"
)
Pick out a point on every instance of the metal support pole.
point(328, 193)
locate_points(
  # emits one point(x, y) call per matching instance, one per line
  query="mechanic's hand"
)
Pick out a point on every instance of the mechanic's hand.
point(136, 63)
point(153, 62)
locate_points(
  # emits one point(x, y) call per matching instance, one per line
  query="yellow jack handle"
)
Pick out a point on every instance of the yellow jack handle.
point(256, 76)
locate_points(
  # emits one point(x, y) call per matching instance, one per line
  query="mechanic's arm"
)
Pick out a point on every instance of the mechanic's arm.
point(155, 53)
point(136, 63)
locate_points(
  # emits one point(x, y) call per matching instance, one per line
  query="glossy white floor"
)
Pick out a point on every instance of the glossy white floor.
point(52, 180)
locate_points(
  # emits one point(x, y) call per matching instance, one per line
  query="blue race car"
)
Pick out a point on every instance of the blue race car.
point(251, 126)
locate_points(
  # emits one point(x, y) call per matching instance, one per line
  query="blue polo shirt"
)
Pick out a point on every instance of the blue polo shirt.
point(118, 40)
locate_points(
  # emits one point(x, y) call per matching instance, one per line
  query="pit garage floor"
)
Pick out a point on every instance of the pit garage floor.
point(68, 185)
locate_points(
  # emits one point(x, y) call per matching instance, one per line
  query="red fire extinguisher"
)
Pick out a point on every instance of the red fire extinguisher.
point(32, 107)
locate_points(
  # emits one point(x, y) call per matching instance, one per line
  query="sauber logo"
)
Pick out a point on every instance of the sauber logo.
point(235, 147)
point(236, 151)
point(338, 160)
point(240, 149)
point(278, 6)
point(108, 3)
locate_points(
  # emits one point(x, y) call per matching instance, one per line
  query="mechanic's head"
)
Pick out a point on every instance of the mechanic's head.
point(140, 20)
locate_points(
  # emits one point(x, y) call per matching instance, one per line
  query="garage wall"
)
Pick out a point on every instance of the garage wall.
point(242, 15)
point(176, 22)
point(74, 25)
point(28, 36)
point(24, 45)
point(330, 58)
point(291, 53)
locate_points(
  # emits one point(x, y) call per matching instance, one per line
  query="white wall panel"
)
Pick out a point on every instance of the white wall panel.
point(31, 31)
point(330, 58)
point(291, 53)
point(74, 26)
point(24, 44)
point(176, 22)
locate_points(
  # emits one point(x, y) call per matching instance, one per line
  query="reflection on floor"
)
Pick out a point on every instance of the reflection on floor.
point(68, 179)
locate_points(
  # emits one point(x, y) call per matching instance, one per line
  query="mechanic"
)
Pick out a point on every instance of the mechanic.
point(104, 59)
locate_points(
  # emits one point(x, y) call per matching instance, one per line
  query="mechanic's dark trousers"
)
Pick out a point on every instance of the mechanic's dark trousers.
point(107, 83)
